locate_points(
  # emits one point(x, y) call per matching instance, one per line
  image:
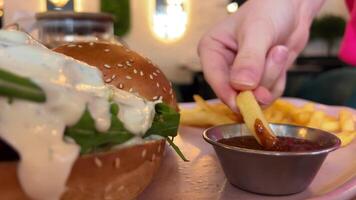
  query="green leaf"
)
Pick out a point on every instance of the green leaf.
point(176, 148)
point(165, 123)
point(85, 134)
point(14, 86)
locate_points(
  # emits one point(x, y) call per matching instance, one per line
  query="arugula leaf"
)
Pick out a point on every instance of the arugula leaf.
point(165, 122)
point(176, 148)
point(12, 85)
point(85, 134)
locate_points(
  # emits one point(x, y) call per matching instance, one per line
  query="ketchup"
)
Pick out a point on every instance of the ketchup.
point(283, 144)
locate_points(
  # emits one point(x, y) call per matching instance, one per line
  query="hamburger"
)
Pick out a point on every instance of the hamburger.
point(84, 121)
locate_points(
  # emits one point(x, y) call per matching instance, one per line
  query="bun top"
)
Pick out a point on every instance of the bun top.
point(123, 68)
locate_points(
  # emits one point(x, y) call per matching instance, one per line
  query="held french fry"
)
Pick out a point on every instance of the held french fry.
point(254, 119)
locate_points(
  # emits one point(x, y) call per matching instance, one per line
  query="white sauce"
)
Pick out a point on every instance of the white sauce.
point(35, 130)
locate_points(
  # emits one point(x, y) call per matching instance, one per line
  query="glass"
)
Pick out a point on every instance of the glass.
point(57, 28)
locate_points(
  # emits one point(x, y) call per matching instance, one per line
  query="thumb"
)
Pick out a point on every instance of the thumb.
point(248, 67)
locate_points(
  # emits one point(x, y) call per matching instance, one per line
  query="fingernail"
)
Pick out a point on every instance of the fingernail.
point(243, 77)
point(280, 55)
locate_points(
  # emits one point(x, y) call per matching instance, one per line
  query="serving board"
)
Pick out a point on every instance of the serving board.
point(203, 178)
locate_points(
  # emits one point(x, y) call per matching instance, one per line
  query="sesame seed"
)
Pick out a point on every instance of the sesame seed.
point(164, 89)
point(127, 50)
point(108, 198)
point(107, 66)
point(157, 70)
point(113, 76)
point(108, 188)
point(98, 162)
point(154, 74)
point(108, 80)
point(71, 45)
point(172, 96)
point(106, 50)
point(131, 60)
point(160, 98)
point(117, 163)
point(121, 188)
point(91, 43)
point(155, 98)
point(143, 154)
point(151, 77)
point(120, 65)
point(153, 157)
point(80, 46)
point(128, 77)
point(131, 90)
point(128, 63)
point(157, 84)
point(159, 148)
point(171, 91)
point(121, 85)
point(141, 73)
point(170, 84)
point(135, 71)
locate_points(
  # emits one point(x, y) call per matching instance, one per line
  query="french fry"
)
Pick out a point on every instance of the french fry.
point(346, 137)
point(210, 114)
point(330, 125)
point(252, 114)
point(203, 118)
point(202, 103)
point(316, 119)
point(302, 118)
point(346, 121)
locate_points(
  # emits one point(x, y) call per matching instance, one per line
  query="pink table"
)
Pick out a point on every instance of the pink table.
point(203, 178)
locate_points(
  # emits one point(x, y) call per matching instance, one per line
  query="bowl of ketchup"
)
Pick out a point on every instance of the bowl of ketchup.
point(286, 168)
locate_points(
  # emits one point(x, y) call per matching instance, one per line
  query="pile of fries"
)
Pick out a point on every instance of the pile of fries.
point(281, 111)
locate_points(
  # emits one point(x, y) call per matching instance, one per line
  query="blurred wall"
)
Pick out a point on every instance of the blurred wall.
point(177, 59)
point(334, 7)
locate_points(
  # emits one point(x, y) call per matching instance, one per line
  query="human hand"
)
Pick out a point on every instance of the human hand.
point(251, 49)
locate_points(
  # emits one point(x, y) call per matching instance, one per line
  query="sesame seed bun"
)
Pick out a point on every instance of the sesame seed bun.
point(124, 69)
point(117, 174)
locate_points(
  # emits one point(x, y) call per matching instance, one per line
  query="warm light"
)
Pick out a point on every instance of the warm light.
point(170, 19)
point(78, 5)
point(59, 3)
point(232, 7)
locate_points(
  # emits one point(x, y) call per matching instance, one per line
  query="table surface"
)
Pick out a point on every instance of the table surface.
point(203, 178)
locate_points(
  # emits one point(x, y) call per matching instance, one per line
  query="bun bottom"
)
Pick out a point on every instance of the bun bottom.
point(117, 174)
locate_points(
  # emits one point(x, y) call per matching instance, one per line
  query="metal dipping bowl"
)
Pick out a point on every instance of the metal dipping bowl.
point(270, 172)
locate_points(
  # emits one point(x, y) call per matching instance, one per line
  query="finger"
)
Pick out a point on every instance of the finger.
point(276, 63)
point(253, 44)
point(263, 95)
point(215, 64)
point(279, 86)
